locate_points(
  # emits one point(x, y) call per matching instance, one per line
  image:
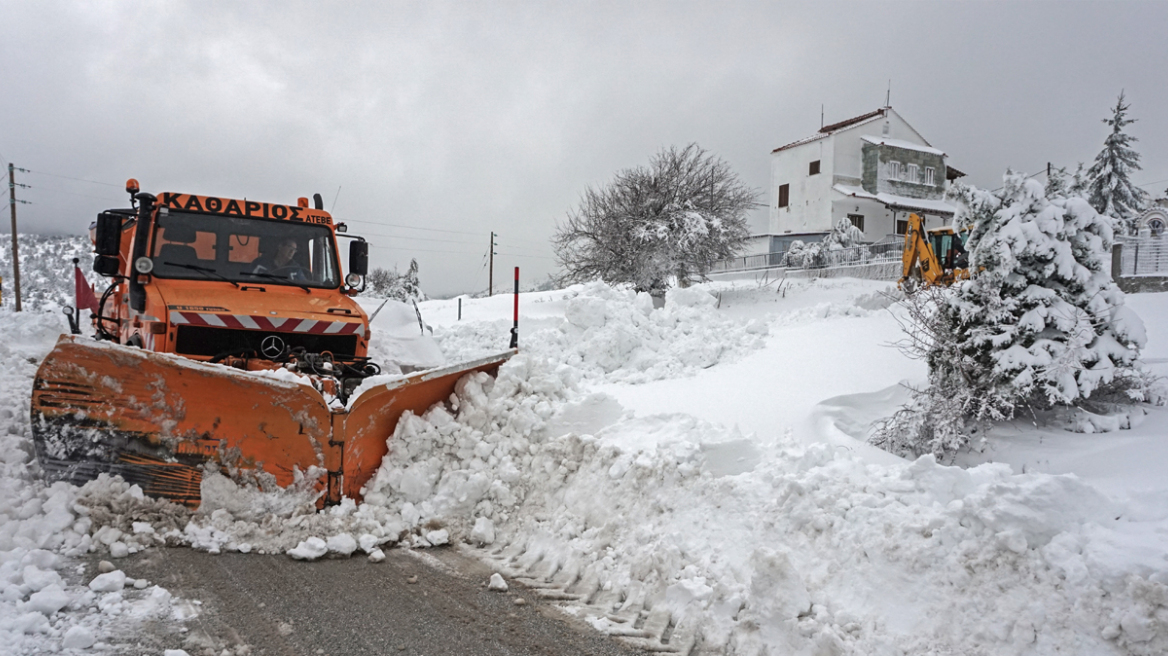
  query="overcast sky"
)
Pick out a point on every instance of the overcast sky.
point(440, 122)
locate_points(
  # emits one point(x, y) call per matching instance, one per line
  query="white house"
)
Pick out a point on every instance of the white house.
point(874, 169)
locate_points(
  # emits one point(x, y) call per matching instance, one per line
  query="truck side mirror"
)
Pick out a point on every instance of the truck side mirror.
point(359, 257)
point(107, 241)
point(108, 238)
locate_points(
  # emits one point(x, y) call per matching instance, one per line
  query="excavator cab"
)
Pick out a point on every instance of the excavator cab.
point(949, 248)
point(932, 257)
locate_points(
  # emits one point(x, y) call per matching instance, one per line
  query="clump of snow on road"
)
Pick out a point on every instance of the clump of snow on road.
point(47, 601)
point(614, 334)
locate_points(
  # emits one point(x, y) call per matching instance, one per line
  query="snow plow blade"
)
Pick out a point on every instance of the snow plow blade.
point(155, 419)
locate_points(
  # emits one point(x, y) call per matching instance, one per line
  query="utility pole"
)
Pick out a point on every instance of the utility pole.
point(491, 275)
point(15, 250)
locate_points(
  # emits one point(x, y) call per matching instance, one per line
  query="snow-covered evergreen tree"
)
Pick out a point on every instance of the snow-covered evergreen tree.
point(1080, 182)
point(1057, 181)
point(1039, 324)
point(1111, 191)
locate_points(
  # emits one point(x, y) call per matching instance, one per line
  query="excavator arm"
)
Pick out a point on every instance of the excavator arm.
point(922, 266)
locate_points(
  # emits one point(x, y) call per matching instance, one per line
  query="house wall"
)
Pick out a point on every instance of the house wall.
point(816, 207)
point(878, 222)
point(877, 179)
point(809, 209)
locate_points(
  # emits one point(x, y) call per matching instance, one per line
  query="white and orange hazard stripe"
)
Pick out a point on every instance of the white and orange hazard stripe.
point(250, 322)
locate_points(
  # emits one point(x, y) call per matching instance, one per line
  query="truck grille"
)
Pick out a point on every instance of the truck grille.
point(208, 341)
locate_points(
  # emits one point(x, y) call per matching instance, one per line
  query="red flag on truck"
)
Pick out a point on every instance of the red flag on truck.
point(86, 299)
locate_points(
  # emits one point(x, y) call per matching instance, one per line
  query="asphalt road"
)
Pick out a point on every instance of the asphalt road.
point(429, 603)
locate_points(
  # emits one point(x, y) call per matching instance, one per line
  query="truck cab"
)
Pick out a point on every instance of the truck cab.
point(212, 278)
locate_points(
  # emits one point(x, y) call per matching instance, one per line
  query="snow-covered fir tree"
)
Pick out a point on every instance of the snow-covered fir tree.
point(1039, 324)
point(1111, 191)
point(1057, 181)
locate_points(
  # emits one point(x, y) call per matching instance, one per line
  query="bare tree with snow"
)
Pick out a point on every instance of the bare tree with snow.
point(1111, 191)
point(670, 220)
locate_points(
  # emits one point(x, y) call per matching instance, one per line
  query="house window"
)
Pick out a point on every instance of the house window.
point(784, 195)
point(930, 175)
point(813, 169)
point(913, 173)
point(857, 220)
point(901, 226)
point(894, 170)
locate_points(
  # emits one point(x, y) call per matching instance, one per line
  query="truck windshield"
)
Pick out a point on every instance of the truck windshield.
point(209, 247)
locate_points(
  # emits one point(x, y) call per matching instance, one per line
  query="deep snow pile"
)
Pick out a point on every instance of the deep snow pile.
point(797, 548)
point(47, 598)
point(614, 334)
point(756, 542)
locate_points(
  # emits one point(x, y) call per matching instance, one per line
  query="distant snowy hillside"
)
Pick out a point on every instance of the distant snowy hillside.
point(46, 270)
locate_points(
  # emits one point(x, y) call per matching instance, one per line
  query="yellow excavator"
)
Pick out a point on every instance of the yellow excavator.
point(932, 257)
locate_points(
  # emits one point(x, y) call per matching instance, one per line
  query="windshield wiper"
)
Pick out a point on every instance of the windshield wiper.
point(272, 276)
point(202, 269)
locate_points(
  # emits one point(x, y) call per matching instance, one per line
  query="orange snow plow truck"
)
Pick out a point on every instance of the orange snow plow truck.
point(227, 334)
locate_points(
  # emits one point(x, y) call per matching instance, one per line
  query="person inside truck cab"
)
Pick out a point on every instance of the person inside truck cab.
point(281, 261)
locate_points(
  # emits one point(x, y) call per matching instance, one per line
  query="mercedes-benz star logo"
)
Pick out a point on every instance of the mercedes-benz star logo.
point(272, 347)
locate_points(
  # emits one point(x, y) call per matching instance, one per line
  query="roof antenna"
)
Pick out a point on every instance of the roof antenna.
point(888, 95)
point(820, 116)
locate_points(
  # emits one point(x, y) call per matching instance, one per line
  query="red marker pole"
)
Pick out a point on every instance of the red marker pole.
point(515, 327)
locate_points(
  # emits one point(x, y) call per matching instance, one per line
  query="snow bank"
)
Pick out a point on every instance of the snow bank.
point(45, 602)
point(749, 545)
point(792, 547)
point(614, 334)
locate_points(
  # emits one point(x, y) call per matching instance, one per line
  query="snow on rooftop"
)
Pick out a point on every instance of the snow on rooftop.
point(902, 202)
point(901, 143)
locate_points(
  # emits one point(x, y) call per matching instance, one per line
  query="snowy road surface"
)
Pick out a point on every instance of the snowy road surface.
point(433, 603)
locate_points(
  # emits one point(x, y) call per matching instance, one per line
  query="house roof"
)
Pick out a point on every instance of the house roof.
point(899, 202)
point(898, 143)
point(828, 130)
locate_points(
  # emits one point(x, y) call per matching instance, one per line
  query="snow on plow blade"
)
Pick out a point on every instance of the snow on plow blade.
point(154, 419)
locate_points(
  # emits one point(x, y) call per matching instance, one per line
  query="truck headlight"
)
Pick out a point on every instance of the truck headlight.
point(353, 280)
point(143, 265)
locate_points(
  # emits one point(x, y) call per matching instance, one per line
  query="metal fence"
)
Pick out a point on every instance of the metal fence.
point(813, 257)
point(1144, 256)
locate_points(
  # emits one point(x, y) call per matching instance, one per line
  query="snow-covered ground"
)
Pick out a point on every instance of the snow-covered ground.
point(702, 463)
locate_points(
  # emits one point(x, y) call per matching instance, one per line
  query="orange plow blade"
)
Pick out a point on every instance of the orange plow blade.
point(372, 417)
point(155, 419)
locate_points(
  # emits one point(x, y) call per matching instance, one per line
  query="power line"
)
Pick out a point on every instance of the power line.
point(72, 193)
point(542, 257)
point(1149, 184)
point(421, 250)
point(448, 241)
point(391, 225)
point(66, 177)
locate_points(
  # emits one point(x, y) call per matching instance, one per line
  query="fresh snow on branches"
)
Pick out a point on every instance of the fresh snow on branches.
point(1040, 323)
point(1111, 190)
point(673, 219)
